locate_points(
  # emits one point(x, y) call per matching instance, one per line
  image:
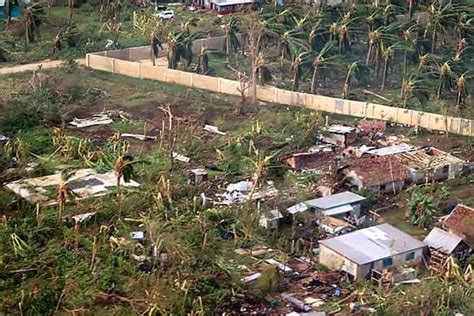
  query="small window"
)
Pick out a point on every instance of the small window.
point(410, 256)
point(388, 262)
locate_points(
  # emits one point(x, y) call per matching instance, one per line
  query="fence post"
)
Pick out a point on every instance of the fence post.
point(113, 65)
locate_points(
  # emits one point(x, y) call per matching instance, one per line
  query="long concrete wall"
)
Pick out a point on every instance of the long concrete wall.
point(104, 61)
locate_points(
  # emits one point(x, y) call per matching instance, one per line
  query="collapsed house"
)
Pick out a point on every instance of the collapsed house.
point(322, 162)
point(340, 135)
point(84, 183)
point(371, 127)
point(383, 173)
point(369, 250)
point(431, 164)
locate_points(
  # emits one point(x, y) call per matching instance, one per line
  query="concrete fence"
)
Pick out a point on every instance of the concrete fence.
point(124, 62)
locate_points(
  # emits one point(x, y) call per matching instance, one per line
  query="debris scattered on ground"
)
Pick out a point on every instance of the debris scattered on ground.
point(181, 158)
point(97, 119)
point(138, 136)
point(251, 278)
point(197, 176)
point(83, 217)
point(84, 183)
point(3, 138)
point(137, 235)
point(213, 129)
point(279, 265)
point(242, 186)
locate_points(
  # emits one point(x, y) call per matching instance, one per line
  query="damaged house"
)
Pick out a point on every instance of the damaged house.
point(376, 248)
point(321, 162)
point(340, 135)
point(460, 222)
point(431, 164)
point(334, 213)
point(383, 173)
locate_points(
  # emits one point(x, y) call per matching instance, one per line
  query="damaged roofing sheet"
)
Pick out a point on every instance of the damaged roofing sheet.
point(373, 244)
point(442, 240)
point(335, 200)
point(83, 183)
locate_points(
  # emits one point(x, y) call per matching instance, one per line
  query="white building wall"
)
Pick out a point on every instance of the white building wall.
point(335, 261)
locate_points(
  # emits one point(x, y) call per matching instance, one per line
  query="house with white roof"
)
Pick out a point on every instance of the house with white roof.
point(377, 248)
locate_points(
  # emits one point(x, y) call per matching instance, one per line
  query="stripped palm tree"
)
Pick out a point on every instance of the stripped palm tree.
point(322, 60)
point(203, 59)
point(186, 25)
point(415, 87)
point(301, 59)
point(461, 89)
point(442, 18)
point(445, 75)
point(230, 35)
point(388, 54)
point(155, 44)
point(356, 70)
point(32, 19)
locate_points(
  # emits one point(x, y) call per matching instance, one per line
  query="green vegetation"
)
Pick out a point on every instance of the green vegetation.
point(186, 263)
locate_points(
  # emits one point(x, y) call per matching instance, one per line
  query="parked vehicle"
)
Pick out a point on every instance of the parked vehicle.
point(166, 15)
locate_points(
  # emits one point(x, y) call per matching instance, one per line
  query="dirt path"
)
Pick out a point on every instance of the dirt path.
point(30, 67)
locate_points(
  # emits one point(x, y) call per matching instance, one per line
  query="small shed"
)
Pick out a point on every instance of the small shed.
point(384, 173)
point(378, 248)
point(339, 205)
point(270, 220)
point(447, 243)
point(340, 135)
point(432, 164)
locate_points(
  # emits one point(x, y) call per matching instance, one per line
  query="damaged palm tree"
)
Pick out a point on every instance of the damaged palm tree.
point(64, 193)
point(244, 85)
point(123, 169)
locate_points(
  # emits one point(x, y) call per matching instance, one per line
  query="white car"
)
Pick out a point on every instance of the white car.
point(166, 15)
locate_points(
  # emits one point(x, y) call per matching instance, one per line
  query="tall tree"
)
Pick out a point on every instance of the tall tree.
point(322, 60)
point(461, 89)
point(388, 54)
point(414, 87)
point(230, 35)
point(300, 60)
point(356, 70)
point(31, 20)
point(445, 75)
point(442, 18)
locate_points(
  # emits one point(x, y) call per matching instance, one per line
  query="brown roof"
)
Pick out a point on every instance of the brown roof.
point(377, 171)
point(323, 161)
point(460, 218)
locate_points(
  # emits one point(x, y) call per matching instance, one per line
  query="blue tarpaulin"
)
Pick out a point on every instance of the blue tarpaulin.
point(16, 11)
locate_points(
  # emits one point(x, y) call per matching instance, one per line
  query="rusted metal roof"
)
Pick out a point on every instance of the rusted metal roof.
point(377, 171)
point(460, 219)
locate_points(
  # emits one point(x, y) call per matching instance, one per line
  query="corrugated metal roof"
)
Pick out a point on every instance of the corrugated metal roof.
point(373, 243)
point(335, 200)
point(338, 210)
point(340, 129)
point(390, 150)
point(298, 208)
point(442, 240)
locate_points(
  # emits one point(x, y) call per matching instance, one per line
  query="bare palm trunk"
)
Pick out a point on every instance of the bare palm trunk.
point(314, 79)
point(345, 90)
point(71, 10)
point(404, 75)
point(433, 42)
point(440, 87)
point(384, 74)
point(369, 51)
point(458, 99)
point(410, 10)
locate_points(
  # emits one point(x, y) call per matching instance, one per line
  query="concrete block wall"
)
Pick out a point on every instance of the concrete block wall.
point(431, 121)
